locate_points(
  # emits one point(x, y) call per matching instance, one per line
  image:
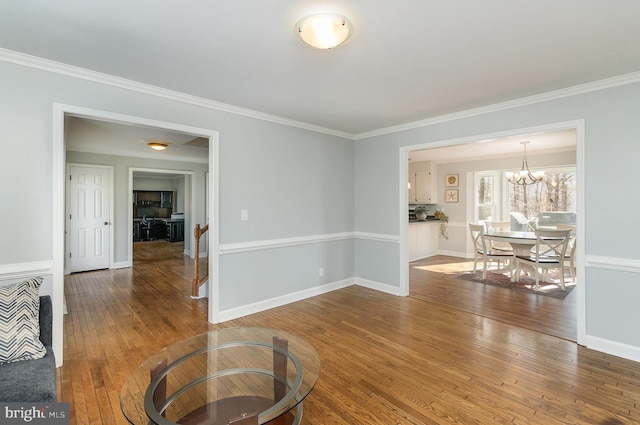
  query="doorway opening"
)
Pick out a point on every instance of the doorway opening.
point(59, 158)
point(162, 214)
point(451, 255)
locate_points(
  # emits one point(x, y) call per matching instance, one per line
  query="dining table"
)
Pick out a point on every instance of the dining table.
point(521, 242)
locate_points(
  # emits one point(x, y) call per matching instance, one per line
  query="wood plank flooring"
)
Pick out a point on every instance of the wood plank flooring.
point(435, 279)
point(385, 359)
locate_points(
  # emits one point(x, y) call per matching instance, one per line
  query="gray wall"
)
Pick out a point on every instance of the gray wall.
point(121, 166)
point(611, 150)
point(297, 183)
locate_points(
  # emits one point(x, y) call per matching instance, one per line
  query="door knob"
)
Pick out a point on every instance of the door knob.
point(106, 223)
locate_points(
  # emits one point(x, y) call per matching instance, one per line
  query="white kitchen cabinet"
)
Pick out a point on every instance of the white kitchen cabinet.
point(422, 183)
point(423, 239)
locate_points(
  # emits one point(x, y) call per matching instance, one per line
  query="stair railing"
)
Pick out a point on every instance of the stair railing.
point(197, 280)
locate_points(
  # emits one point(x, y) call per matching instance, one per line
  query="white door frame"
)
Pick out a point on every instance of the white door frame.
point(192, 212)
point(111, 212)
point(59, 200)
point(579, 127)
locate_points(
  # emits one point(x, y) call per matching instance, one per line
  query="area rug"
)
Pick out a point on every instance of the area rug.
point(525, 284)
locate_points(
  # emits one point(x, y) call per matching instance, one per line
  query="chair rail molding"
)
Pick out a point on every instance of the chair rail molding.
point(236, 248)
point(25, 270)
point(630, 265)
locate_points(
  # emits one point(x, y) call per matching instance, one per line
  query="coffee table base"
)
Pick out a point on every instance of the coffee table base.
point(222, 412)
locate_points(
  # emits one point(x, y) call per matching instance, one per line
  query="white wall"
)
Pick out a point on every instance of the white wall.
point(154, 184)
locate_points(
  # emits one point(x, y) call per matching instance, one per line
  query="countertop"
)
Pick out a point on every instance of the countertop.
point(428, 220)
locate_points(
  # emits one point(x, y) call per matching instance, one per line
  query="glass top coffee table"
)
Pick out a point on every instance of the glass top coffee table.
point(234, 376)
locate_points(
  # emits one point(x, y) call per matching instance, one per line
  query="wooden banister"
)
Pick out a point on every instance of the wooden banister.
point(197, 280)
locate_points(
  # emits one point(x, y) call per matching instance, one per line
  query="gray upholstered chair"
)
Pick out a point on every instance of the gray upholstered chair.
point(32, 380)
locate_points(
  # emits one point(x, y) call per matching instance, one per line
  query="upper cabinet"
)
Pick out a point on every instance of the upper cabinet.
point(152, 198)
point(152, 203)
point(422, 182)
point(166, 199)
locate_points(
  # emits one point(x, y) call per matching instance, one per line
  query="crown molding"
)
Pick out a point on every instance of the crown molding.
point(18, 58)
point(621, 80)
point(97, 77)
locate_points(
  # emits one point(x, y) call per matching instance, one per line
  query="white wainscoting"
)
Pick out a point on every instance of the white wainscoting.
point(628, 265)
point(236, 248)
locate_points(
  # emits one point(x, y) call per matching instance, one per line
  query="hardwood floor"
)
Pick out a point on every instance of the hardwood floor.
point(435, 279)
point(385, 359)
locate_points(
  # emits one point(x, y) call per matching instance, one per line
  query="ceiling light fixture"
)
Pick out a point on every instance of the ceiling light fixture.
point(324, 30)
point(158, 146)
point(524, 176)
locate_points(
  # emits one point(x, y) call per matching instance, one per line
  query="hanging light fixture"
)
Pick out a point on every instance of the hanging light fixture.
point(525, 176)
point(324, 30)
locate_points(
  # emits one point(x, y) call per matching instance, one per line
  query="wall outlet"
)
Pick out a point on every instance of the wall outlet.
point(244, 215)
point(321, 272)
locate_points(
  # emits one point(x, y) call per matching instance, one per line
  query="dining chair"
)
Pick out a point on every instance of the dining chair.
point(571, 249)
point(527, 224)
point(483, 251)
point(499, 226)
point(550, 253)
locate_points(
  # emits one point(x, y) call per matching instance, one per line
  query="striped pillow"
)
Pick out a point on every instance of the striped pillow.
point(20, 322)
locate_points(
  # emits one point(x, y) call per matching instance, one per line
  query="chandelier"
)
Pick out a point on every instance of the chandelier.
point(525, 176)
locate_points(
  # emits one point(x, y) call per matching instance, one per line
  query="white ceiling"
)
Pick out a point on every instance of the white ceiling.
point(89, 135)
point(543, 142)
point(408, 60)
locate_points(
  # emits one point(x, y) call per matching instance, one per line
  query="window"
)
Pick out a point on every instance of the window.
point(555, 194)
point(487, 196)
point(547, 203)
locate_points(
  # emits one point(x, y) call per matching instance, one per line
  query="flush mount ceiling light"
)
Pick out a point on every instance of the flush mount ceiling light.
point(324, 30)
point(524, 176)
point(158, 146)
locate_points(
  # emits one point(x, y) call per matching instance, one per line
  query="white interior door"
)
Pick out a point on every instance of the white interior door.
point(88, 217)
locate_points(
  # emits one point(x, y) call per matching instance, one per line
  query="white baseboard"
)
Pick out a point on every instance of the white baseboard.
point(203, 291)
point(245, 310)
point(382, 287)
point(454, 254)
point(121, 265)
point(614, 348)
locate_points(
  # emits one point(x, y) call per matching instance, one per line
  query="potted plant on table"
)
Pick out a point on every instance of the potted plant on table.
point(421, 212)
point(444, 220)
